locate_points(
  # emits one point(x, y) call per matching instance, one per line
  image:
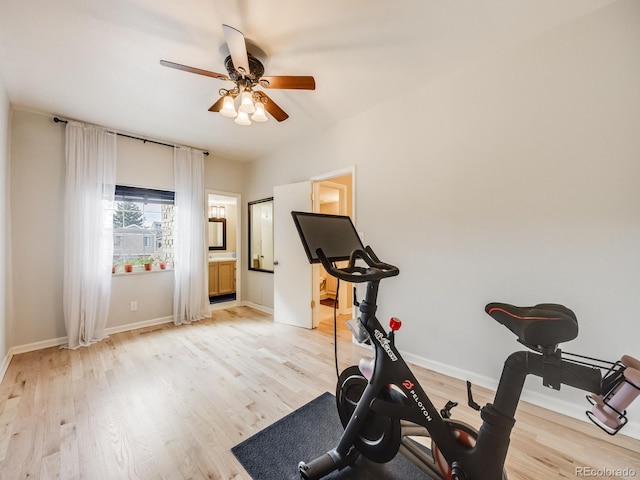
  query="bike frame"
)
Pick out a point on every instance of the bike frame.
point(485, 460)
point(331, 238)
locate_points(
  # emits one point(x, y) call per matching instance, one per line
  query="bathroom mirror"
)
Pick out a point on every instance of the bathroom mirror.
point(217, 234)
point(261, 235)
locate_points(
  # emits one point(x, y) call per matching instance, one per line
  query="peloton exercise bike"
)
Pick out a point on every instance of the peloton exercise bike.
point(382, 405)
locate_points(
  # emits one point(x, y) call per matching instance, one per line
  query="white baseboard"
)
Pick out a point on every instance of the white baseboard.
point(260, 308)
point(31, 347)
point(223, 305)
point(137, 325)
point(558, 405)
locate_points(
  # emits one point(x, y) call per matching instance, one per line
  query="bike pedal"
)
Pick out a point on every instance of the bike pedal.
point(471, 402)
point(446, 410)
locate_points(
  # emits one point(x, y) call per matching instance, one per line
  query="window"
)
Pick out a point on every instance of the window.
point(143, 221)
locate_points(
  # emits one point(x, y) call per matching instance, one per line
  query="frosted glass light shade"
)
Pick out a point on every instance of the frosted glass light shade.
point(242, 118)
point(228, 108)
point(259, 115)
point(246, 103)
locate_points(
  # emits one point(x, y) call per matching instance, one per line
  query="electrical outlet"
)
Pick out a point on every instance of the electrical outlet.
point(134, 306)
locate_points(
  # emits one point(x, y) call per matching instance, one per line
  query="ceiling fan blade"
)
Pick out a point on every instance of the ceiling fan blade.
point(271, 107)
point(216, 107)
point(237, 49)
point(206, 73)
point(289, 82)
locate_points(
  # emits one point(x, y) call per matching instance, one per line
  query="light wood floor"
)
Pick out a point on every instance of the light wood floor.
point(169, 402)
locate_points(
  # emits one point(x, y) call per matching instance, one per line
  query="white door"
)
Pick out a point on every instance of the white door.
point(292, 271)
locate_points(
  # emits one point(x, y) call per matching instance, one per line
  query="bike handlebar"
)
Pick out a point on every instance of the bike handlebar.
point(376, 270)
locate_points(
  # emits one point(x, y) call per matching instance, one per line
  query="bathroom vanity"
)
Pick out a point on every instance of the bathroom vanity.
point(222, 276)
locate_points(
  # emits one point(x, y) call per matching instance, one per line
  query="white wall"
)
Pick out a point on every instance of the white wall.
point(37, 203)
point(514, 180)
point(37, 195)
point(5, 113)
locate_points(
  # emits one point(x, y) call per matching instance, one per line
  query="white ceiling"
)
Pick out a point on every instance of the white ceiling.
point(98, 61)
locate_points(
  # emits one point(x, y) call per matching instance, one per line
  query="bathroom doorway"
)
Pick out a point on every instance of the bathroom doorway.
point(223, 254)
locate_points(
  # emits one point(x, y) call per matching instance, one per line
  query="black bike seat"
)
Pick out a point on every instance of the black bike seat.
point(542, 324)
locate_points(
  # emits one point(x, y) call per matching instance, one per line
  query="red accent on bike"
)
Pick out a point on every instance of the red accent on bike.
point(407, 384)
point(518, 317)
point(395, 324)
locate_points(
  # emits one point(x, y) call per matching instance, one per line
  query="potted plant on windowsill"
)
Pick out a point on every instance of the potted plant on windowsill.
point(119, 266)
point(128, 266)
point(147, 262)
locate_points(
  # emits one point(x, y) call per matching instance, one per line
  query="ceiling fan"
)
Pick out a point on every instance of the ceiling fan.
point(247, 72)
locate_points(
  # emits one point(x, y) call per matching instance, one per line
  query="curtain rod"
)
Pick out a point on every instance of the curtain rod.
point(145, 140)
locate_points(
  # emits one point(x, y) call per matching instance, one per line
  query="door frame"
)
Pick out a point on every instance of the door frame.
point(238, 245)
point(315, 180)
point(341, 173)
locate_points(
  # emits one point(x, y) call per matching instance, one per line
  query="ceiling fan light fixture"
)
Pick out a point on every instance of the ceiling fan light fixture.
point(242, 118)
point(228, 108)
point(247, 71)
point(260, 114)
point(246, 103)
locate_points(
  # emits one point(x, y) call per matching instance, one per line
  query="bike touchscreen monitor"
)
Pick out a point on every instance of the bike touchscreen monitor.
point(334, 234)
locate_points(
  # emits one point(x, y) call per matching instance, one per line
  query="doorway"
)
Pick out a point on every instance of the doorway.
point(296, 283)
point(334, 196)
point(223, 254)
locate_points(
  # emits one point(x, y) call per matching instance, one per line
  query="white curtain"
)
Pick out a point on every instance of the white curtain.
point(190, 298)
point(88, 241)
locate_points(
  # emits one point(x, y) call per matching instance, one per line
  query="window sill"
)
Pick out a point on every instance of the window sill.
point(141, 272)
